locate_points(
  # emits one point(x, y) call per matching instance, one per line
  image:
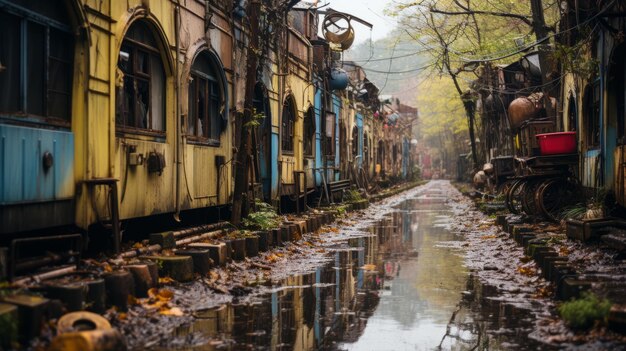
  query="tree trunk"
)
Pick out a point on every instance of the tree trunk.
point(242, 131)
point(541, 33)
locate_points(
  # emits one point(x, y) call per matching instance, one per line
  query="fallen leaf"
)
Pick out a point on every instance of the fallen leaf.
point(485, 237)
point(174, 311)
point(107, 267)
point(166, 280)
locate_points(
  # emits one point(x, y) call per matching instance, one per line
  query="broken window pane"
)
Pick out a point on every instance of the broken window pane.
point(141, 101)
point(207, 93)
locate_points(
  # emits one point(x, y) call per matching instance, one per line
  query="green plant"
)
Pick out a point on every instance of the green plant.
point(353, 195)
point(264, 218)
point(584, 312)
point(575, 212)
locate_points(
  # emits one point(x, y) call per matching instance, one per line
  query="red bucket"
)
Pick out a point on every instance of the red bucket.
point(557, 143)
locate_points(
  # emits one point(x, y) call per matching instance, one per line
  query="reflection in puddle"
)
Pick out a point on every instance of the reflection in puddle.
point(403, 287)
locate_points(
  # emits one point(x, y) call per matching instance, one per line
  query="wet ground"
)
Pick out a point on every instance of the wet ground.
point(403, 283)
point(420, 271)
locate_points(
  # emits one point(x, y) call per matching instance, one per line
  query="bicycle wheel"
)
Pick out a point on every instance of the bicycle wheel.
point(513, 197)
point(528, 197)
point(555, 194)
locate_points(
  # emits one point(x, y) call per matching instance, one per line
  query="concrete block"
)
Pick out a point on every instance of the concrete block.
point(202, 261)
point(238, 246)
point(617, 318)
point(118, 286)
point(179, 268)
point(8, 325)
point(165, 239)
point(571, 288)
point(95, 297)
point(217, 252)
point(265, 239)
point(71, 295)
point(277, 237)
point(252, 246)
point(143, 279)
point(285, 233)
point(32, 312)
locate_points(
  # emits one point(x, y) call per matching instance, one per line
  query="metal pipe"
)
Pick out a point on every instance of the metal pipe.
point(47, 275)
point(209, 235)
point(177, 114)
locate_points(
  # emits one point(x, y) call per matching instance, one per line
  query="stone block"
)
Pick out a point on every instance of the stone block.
point(277, 237)
point(165, 239)
point(548, 263)
point(32, 312)
point(252, 246)
point(9, 322)
point(617, 318)
point(571, 288)
point(265, 239)
point(71, 295)
point(201, 259)
point(143, 278)
point(217, 252)
point(238, 247)
point(95, 297)
point(179, 268)
point(118, 286)
point(285, 233)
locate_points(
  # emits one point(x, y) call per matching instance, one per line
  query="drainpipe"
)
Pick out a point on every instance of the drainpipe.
point(178, 147)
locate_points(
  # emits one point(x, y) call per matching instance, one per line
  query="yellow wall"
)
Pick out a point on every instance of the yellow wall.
point(101, 152)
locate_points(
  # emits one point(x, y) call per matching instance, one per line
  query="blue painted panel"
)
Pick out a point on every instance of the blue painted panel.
point(359, 125)
point(274, 165)
point(23, 177)
point(337, 109)
point(318, 135)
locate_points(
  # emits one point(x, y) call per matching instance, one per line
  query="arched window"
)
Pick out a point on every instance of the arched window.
point(36, 59)
point(309, 132)
point(572, 114)
point(206, 99)
point(140, 94)
point(288, 121)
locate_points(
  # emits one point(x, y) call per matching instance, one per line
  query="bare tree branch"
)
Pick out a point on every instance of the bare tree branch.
point(522, 18)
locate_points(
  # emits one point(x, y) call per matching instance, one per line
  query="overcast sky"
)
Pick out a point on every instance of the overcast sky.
point(371, 11)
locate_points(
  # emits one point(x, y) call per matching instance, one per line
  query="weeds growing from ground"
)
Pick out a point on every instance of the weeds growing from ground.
point(584, 312)
point(264, 218)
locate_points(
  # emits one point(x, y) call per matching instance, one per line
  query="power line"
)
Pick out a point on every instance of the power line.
point(399, 72)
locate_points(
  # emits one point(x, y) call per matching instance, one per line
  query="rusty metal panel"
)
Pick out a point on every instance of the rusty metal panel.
point(590, 168)
point(298, 48)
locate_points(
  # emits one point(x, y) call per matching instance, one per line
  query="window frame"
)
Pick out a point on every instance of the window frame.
point(309, 133)
point(288, 121)
point(213, 82)
point(26, 18)
point(145, 76)
point(592, 114)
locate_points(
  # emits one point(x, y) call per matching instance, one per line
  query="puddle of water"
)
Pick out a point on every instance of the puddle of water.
point(402, 287)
